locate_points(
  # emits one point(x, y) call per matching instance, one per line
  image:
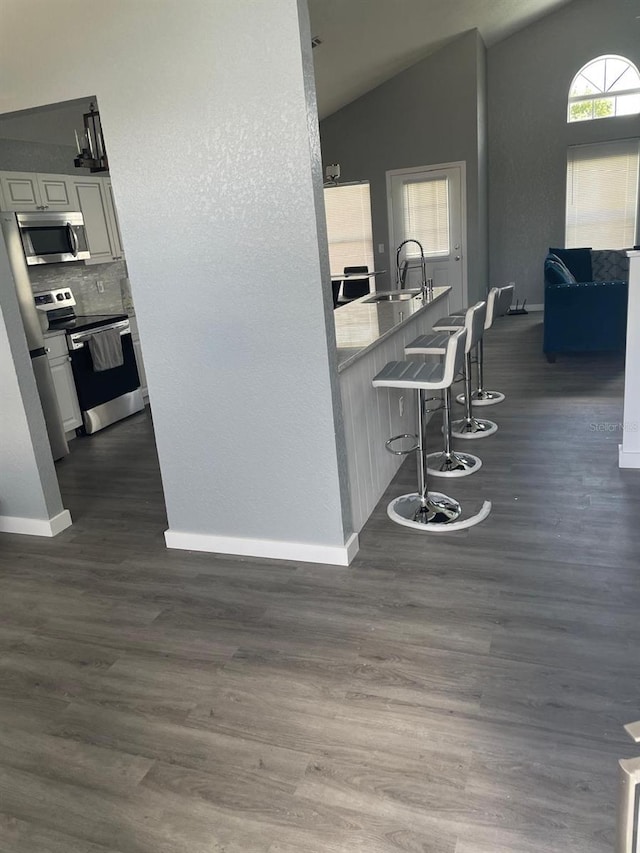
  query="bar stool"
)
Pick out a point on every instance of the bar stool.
point(469, 426)
point(498, 303)
point(425, 510)
point(446, 462)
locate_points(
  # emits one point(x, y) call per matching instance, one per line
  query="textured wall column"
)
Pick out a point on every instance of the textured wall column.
point(29, 496)
point(209, 115)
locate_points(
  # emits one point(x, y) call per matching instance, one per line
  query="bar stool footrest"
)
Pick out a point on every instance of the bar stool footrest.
point(389, 441)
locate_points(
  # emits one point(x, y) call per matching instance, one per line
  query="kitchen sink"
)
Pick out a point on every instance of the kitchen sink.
point(393, 296)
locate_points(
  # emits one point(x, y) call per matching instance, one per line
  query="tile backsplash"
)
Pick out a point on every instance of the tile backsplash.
point(83, 280)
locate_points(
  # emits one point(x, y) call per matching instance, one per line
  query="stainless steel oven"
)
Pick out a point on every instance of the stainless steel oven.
point(53, 238)
point(110, 395)
point(106, 392)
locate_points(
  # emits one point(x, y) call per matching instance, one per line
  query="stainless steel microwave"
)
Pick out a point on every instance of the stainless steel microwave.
point(53, 238)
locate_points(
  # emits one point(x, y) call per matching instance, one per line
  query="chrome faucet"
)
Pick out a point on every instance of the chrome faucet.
point(427, 284)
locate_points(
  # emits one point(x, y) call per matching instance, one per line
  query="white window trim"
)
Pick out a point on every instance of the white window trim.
point(596, 96)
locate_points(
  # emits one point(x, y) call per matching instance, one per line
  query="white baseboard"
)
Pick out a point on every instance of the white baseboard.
point(36, 526)
point(627, 459)
point(271, 549)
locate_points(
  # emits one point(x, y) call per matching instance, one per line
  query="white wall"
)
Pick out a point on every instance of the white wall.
point(529, 76)
point(215, 162)
point(430, 113)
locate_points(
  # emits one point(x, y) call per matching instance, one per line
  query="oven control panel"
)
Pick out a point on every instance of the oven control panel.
point(49, 300)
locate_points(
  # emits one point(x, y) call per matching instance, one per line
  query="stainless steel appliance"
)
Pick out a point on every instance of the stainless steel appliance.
point(34, 335)
point(53, 238)
point(104, 396)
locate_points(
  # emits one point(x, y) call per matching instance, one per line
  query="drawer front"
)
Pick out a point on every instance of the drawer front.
point(56, 345)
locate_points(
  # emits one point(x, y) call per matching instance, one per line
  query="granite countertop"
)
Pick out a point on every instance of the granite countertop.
point(362, 325)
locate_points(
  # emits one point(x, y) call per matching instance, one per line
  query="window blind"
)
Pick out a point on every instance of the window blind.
point(348, 211)
point(602, 195)
point(426, 215)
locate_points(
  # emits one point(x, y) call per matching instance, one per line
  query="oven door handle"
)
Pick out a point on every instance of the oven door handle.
point(78, 339)
point(73, 240)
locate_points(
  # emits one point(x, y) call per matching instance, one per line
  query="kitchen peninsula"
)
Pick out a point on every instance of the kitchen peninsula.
point(370, 332)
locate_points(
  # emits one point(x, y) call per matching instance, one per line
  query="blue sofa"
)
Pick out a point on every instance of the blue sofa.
point(585, 301)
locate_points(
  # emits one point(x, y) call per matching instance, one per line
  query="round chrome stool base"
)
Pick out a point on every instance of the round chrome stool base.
point(440, 514)
point(473, 428)
point(412, 511)
point(453, 465)
point(483, 398)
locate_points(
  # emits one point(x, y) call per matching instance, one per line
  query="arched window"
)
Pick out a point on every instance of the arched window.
point(607, 86)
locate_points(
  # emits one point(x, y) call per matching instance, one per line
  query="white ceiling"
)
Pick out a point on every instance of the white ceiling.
point(365, 42)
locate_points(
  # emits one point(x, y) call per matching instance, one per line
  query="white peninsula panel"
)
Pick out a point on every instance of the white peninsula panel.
point(629, 450)
point(368, 336)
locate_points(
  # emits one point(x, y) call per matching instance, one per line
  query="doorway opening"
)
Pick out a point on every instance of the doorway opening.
point(97, 387)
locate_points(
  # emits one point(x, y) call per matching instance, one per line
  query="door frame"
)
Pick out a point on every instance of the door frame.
point(460, 164)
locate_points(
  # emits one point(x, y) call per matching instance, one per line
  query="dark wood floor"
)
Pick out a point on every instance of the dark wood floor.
point(462, 693)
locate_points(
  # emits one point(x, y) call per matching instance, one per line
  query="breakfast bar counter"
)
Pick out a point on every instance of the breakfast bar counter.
point(368, 335)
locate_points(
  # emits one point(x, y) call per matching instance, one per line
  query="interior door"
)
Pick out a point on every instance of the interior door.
point(427, 205)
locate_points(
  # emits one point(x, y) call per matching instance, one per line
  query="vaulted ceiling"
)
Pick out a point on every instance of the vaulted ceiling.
point(365, 42)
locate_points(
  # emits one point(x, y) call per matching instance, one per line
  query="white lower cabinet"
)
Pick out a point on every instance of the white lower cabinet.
point(135, 339)
point(66, 393)
point(112, 218)
point(62, 374)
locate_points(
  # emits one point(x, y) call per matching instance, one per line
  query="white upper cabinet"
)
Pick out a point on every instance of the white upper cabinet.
point(95, 200)
point(20, 191)
point(56, 192)
point(24, 191)
point(92, 201)
point(91, 194)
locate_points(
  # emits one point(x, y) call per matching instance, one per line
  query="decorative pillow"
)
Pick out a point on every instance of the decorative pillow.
point(610, 265)
point(577, 260)
point(555, 272)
